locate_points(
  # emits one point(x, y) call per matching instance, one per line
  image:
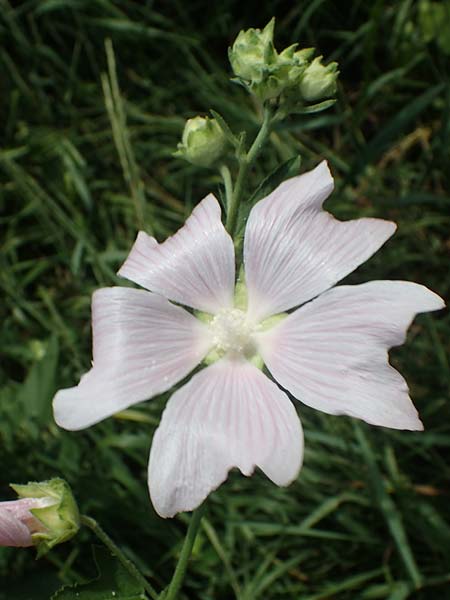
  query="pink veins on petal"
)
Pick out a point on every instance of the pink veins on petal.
point(17, 522)
point(330, 352)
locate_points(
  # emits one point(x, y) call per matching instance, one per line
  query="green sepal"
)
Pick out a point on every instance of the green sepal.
point(252, 51)
point(226, 130)
point(240, 292)
point(319, 81)
point(314, 108)
point(257, 361)
point(60, 518)
point(204, 317)
point(272, 321)
point(212, 357)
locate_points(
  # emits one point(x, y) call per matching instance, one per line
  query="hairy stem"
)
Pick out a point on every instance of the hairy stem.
point(244, 166)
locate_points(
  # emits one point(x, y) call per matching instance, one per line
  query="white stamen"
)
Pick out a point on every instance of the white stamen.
point(232, 332)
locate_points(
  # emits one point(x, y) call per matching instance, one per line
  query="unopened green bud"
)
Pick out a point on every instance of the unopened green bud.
point(252, 52)
point(288, 76)
point(203, 142)
point(292, 57)
point(258, 65)
point(270, 87)
point(55, 510)
point(319, 81)
point(294, 65)
point(303, 56)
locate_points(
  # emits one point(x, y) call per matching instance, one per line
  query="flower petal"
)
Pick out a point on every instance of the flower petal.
point(14, 517)
point(332, 353)
point(194, 267)
point(228, 415)
point(294, 250)
point(142, 346)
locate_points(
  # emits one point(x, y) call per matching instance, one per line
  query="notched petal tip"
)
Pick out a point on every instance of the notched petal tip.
point(391, 227)
point(422, 298)
point(294, 250)
point(108, 294)
point(435, 302)
point(332, 353)
point(419, 426)
point(211, 201)
point(167, 507)
point(194, 266)
point(377, 231)
point(323, 170)
point(319, 182)
point(142, 346)
point(141, 251)
point(229, 415)
point(64, 410)
point(407, 420)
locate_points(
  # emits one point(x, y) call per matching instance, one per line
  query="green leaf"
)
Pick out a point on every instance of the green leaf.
point(112, 583)
point(240, 148)
point(225, 128)
point(397, 125)
point(391, 513)
point(288, 169)
point(36, 393)
point(314, 108)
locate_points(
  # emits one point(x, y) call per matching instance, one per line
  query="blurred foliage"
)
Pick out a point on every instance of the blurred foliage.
point(86, 160)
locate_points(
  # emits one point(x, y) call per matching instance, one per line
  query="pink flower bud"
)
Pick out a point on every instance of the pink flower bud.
point(17, 522)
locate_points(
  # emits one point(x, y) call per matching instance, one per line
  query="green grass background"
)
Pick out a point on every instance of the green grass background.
point(85, 163)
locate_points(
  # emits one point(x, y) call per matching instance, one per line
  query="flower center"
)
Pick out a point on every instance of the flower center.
point(232, 332)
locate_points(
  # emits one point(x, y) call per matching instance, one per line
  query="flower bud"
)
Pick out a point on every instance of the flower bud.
point(17, 524)
point(319, 81)
point(252, 52)
point(291, 66)
point(203, 142)
point(288, 75)
point(46, 514)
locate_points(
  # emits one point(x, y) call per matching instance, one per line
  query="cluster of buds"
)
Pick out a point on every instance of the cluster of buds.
point(289, 75)
point(45, 514)
point(292, 79)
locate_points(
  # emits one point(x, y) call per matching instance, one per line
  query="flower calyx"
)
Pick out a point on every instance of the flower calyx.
point(203, 142)
point(319, 81)
point(55, 510)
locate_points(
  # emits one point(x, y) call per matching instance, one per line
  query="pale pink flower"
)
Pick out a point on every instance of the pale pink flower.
point(331, 352)
point(17, 523)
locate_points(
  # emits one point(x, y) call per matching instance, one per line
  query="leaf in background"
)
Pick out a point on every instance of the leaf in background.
point(225, 128)
point(434, 22)
point(35, 395)
point(395, 126)
point(39, 584)
point(288, 169)
point(112, 582)
point(314, 108)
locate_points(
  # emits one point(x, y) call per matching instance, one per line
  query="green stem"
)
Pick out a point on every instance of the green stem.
point(180, 570)
point(226, 176)
point(245, 164)
point(117, 552)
